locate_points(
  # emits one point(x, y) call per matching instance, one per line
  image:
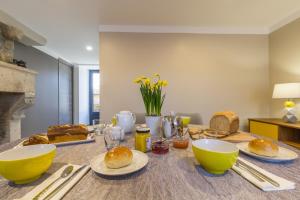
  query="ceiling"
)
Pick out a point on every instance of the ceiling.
point(70, 25)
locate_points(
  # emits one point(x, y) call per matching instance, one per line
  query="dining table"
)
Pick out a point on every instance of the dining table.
point(171, 176)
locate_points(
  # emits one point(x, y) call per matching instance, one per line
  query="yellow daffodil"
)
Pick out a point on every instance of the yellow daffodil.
point(151, 90)
point(159, 82)
point(147, 81)
point(152, 87)
point(156, 75)
point(137, 80)
point(164, 83)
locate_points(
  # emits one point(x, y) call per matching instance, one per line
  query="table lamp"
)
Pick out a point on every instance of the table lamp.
point(287, 91)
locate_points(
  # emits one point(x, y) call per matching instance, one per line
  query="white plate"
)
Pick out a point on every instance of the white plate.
point(90, 138)
point(283, 154)
point(139, 161)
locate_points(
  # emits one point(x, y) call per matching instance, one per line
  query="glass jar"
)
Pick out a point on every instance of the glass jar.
point(143, 139)
point(160, 147)
point(180, 142)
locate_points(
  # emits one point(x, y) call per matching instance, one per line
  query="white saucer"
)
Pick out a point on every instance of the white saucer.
point(283, 154)
point(139, 161)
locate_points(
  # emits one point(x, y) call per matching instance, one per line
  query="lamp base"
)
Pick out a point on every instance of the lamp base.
point(290, 118)
point(289, 104)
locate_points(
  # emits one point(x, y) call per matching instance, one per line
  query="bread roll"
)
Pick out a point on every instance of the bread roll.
point(118, 157)
point(263, 147)
point(36, 139)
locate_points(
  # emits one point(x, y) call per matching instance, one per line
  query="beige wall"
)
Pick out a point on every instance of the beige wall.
point(206, 73)
point(284, 61)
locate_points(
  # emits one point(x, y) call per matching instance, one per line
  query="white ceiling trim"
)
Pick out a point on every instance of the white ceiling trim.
point(182, 29)
point(204, 30)
point(286, 20)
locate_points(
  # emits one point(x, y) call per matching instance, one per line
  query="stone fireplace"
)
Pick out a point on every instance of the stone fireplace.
point(17, 92)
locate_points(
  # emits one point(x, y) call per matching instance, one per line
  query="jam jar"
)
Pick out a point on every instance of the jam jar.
point(143, 139)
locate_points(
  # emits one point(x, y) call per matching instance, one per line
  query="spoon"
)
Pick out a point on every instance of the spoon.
point(178, 126)
point(67, 171)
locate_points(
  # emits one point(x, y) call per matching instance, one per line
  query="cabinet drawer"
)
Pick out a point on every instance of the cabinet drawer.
point(264, 129)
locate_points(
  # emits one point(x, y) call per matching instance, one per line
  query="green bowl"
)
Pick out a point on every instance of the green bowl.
point(215, 156)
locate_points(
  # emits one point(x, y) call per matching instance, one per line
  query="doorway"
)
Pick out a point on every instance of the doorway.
point(65, 92)
point(94, 95)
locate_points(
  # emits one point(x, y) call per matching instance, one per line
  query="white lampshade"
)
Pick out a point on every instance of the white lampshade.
point(286, 91)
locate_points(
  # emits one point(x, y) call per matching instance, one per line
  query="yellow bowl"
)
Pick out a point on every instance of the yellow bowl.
point(26, 164)
point(215, 156)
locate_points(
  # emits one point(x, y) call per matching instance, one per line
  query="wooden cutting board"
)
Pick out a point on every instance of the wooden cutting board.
point(239, 137)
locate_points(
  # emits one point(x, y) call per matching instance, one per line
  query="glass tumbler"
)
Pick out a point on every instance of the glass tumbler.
point(99, 126)
point(96, 126)
point(113, 136)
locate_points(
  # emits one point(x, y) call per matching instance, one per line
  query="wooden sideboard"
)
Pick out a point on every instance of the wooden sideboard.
point(276, 129)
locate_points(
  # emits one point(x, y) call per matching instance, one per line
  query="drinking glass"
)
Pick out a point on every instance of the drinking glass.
point(98, 126)
point(113, 136)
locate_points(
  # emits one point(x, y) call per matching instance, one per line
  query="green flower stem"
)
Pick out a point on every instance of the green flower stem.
point(153, 99)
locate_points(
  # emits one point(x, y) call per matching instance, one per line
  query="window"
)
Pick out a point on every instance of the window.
point(94, 94)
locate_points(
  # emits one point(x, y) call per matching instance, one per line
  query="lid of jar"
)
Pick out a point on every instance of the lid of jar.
point(142, 129)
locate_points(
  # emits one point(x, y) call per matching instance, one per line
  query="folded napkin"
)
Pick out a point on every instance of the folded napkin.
point(265, 186)
point(78, 169)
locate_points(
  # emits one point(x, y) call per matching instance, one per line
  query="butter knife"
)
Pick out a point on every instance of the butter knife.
point(66, 172)
point(64, 183)
point(253, 174)
point(263, 176)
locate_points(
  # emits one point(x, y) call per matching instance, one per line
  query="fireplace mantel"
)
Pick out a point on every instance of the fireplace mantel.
point(17, 92)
